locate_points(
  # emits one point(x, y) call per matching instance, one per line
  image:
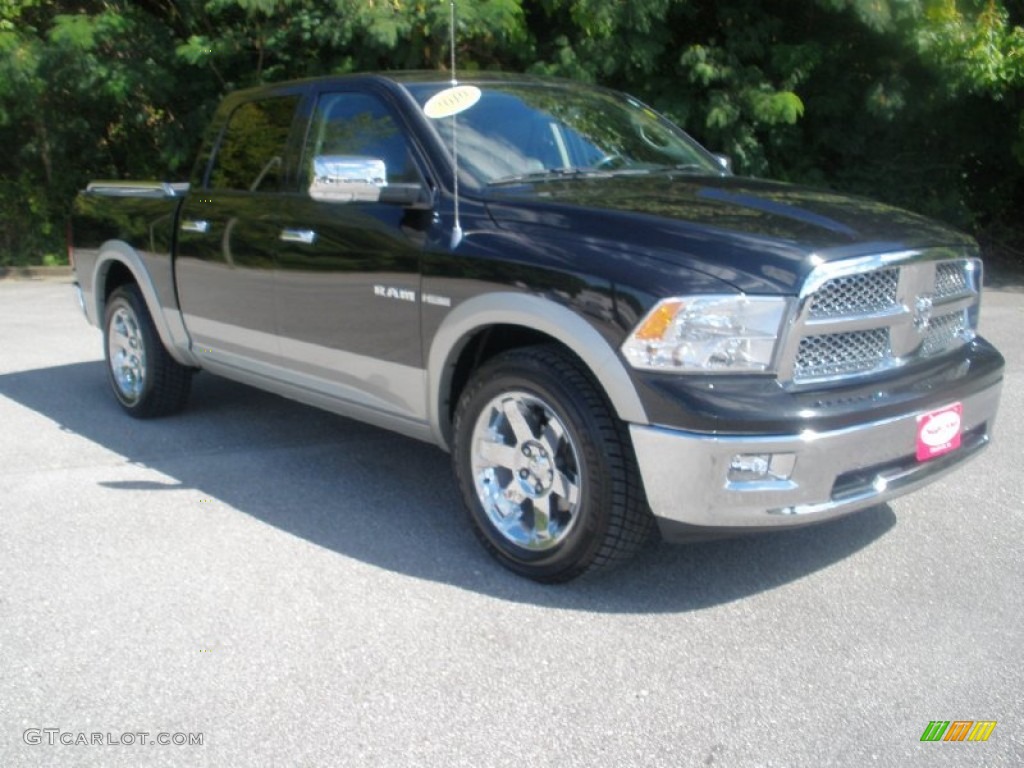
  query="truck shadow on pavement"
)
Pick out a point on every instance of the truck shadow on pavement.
point(389, 501)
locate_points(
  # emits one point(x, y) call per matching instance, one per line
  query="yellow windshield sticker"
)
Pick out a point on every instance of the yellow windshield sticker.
point(451, 101)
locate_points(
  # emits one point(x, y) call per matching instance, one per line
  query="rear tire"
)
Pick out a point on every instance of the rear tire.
point(146, 380)
point(546, 469)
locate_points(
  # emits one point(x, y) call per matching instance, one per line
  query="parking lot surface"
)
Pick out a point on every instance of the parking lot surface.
point(290, 588)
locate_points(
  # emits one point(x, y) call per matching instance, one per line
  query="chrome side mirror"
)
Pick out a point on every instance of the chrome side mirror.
point(347, 179)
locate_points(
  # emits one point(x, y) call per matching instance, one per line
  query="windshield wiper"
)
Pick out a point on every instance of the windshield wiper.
point(691, 168)
point(551, 174)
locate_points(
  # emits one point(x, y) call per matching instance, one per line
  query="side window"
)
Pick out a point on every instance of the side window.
point(359, 124)
point(252, 151)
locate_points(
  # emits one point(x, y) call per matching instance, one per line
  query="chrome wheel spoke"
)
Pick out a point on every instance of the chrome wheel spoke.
point(552, 437)
point(496, 454)
point(565, 489)
point(127, 354)
point(526, 470)
point(541, 522)
point(511, 408)
point(511, 523)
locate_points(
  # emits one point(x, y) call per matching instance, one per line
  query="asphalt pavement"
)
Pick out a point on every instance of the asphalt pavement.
point(257, 583)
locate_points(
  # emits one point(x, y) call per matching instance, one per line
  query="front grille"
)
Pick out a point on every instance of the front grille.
point(869, 315)
point(951, 279)
point(943, 332)
point(856, 294)
point(841, 354)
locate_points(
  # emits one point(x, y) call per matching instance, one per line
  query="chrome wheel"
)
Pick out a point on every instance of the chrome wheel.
point(525, 469)
point(126, 351)
point(146, 380)
point(545, 468)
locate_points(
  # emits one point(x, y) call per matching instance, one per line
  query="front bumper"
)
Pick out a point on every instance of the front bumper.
point(813, 476)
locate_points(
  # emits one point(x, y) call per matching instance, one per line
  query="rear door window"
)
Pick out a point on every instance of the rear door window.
point(253, 151)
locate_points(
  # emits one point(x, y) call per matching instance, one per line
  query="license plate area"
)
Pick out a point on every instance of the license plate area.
point(939, 431)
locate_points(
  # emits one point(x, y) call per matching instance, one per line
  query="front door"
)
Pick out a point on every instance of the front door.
point(348, 286)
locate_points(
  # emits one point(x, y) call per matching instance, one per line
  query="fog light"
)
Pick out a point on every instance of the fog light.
point(755, 467)
point(749, 467)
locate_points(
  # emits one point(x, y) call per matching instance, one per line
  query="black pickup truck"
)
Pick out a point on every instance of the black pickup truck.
point(605, 327)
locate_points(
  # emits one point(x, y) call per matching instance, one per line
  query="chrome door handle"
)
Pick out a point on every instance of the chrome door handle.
point(304, 236)
point(198, 226)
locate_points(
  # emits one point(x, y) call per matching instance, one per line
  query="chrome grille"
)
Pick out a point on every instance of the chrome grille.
point(864, 316)
point(943, 332)
point(841, 354)
point(856, 294)
point(950, 279)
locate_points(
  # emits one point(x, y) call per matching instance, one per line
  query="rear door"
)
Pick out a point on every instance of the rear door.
point(229, 229)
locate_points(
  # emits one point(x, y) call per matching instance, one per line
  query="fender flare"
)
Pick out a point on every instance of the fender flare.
point(536, 313)
point(169, 325)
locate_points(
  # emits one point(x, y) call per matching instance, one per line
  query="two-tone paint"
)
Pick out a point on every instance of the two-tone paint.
point(367, 310)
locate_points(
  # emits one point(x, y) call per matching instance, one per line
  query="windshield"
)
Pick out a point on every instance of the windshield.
point(525, 132)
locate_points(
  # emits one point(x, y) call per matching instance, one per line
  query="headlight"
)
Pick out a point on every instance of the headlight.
point(708, 334)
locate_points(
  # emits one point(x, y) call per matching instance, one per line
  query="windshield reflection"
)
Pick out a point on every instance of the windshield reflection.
point(529, 132)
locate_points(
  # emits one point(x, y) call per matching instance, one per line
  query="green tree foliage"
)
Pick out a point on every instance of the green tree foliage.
point(914, 101)
point(919, 102)
point(94, 93)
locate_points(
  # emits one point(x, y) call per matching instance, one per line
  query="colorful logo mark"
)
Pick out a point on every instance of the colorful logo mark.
point(958, 730)
point(938, 432)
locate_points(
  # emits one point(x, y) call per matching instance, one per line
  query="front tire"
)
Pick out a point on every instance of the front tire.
point(146, 380)
point(546, 469)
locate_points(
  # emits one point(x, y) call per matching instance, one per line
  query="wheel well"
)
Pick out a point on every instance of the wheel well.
point(117, 275)
point(484, 344)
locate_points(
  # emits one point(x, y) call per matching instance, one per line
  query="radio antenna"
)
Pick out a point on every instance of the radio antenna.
point(451, 38)
point(457, 226)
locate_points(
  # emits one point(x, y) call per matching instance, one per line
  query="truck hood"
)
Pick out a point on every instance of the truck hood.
point(759, 236)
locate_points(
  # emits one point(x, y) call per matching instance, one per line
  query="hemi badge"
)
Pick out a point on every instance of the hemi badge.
point(437, 301)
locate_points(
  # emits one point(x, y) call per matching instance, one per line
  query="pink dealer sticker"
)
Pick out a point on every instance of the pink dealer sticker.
point(938, 432)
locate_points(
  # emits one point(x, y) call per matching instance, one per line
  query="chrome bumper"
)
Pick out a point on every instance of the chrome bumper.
point(812, 476)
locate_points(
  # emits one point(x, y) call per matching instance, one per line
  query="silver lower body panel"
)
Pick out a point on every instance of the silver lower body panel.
point(691, 483)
